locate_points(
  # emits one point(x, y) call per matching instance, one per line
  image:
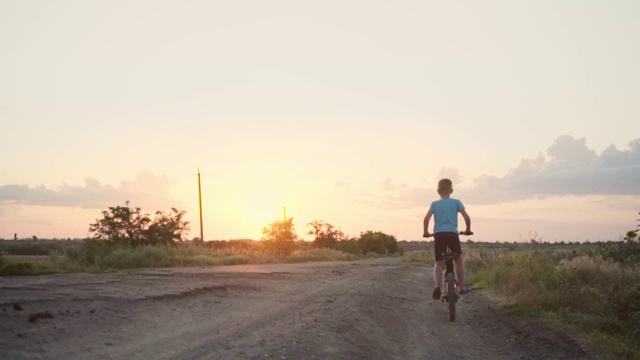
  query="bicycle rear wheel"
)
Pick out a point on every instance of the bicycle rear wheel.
point(451, 296)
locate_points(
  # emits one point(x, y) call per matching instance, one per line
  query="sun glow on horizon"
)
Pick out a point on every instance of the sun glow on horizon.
point(250, 206)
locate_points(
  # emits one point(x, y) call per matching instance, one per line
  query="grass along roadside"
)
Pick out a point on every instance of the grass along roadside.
point(597, 298)
point(96, 260)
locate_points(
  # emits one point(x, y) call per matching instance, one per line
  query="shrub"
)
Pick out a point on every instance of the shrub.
point(139, 257)
point(279, 238)
point(625, 252)
point(377, 242)
point(23, 268)
point(31, 247)
point(349, 246)
point(91, 252)
point(235, 245)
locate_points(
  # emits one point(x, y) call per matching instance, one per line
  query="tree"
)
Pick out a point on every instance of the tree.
point(377, 242)
point(326, 234)
point(167, 227)
point(127, 226)
point(316, 228)
point(349, 246)
point(279, 238)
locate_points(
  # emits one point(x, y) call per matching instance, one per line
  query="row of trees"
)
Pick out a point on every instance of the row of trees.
point(280, 239)
point(327, 236)
point(129, 226)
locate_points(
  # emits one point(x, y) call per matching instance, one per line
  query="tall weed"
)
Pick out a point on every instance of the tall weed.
point(95, 255)
point(625, 252)
point(588, 291)
point(139, 257)
point(319, 254)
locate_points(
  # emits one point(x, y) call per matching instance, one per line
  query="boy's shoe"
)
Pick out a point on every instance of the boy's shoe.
point(436, 293)
point(465, 290)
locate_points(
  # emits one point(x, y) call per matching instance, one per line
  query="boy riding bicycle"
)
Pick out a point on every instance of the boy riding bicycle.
point(446, 235)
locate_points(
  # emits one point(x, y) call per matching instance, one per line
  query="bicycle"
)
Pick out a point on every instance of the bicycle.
point(450, 282)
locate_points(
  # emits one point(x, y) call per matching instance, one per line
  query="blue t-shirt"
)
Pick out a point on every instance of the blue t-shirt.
point(446, 212)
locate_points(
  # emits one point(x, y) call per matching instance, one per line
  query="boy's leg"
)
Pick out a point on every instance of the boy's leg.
point(439, 246)
point(456, 247)
point(460, 269)
point(438, 269)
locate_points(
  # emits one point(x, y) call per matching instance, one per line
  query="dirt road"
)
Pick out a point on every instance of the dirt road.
point(372, 309)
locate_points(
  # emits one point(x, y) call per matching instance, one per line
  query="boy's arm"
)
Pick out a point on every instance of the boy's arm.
point(467, 220)
point(425, 224)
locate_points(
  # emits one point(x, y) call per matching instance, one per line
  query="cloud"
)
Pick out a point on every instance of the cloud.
point(146, 188)
point(388, 185)
point(570, 168)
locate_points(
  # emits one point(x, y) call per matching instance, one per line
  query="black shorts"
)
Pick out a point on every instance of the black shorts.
point(444, 240)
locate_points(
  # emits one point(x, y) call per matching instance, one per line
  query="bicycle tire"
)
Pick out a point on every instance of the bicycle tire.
point(451, 296)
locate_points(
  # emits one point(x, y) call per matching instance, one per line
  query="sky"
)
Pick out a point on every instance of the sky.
point(343, 111)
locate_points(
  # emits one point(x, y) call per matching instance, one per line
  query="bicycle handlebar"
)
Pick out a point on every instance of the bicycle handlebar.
point(461, 233)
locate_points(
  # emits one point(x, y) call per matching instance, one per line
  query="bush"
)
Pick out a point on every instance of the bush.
point(91, 252)
point(23, 268)
point(377, 242)
point(349, 246)
point(31, 247)
point(235, 245)
point(625, 252)
point(140, 257)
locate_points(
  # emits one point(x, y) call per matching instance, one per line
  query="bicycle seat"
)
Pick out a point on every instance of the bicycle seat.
point(449, 255)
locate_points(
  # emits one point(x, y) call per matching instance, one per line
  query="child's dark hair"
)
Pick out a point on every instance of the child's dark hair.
point(445, 184)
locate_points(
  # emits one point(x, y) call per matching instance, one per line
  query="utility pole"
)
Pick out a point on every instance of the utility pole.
point(284, 209)
point(200, 199)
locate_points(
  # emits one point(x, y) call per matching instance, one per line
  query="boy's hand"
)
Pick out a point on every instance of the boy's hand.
point(427, 235)
point(466, 232)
